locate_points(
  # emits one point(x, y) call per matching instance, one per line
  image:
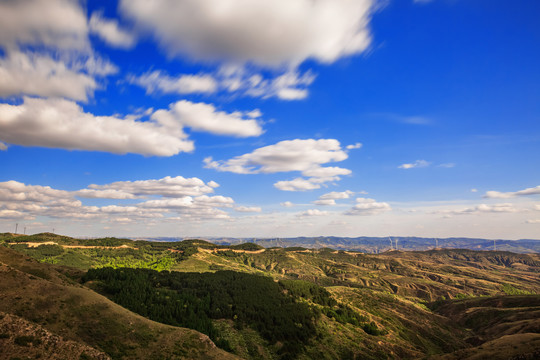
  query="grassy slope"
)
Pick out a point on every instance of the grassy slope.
point(43, 295)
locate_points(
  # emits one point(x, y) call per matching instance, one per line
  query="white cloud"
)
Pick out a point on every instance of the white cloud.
point(54, 23)
point(365, 206)
point(506, 195)
point(46, 50)
point(290, 85)
point(110, 32)
point(334, 195)
point(297, 184)
point(404, 119)
point(354, 146)
point(248, 209)
point(416, 164)
point(325, 202)
point(12, 214)
point(482, 208)
point(312, 212)
point(167, 187)
point(326, 172)
point(18, 200)
point(305, 156)
point(3, 147)
point(16, 191)
point(535, 221)
point(289, 155)
point(176, 203)
point(474, 190)
point(214, 201)
point(267, 33)
point(205, 117)
point(238, 80)
point(38, 74)
point(104, 194)
point(287, 204)
point(61, 123)
point(156, 81)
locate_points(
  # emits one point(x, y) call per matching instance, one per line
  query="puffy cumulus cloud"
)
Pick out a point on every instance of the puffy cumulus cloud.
point(59, 123)
point(17, 191)
point(169, 198)
point(248, 209)
point(198, 208)
point(298, 184)
point(289, 155)
point(305, 156)
point(326, 172)
point(269, 33)
point(110, 32)
point(325, 202)
point(506, 195)
point(286, 204)
point(47, 51)
point(34, 200)
point(416, 164)
point(104, 194)
point(39, 74)
point(335, 195)
point(311, 212)
point(365, 206)
point(13, 214)
point(177, 203)
point(482, 208)
point(167, 187)
point(156, 81)
point(205, 117)
point(214, 201)
point(54, 23)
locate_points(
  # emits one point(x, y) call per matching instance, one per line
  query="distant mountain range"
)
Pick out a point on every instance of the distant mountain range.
point(378, 244)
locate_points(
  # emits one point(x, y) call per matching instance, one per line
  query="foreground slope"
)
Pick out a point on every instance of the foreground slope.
point(54, 305)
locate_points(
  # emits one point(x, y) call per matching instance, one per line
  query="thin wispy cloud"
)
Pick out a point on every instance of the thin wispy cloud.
point(416, 164)
point(505, 195)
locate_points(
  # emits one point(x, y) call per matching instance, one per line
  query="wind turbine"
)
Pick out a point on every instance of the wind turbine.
point(391, 245)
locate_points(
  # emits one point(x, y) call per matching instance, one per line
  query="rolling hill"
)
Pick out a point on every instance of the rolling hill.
point(440, 304)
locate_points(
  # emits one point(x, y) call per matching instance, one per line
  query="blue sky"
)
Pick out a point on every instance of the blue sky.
point(284, 118)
